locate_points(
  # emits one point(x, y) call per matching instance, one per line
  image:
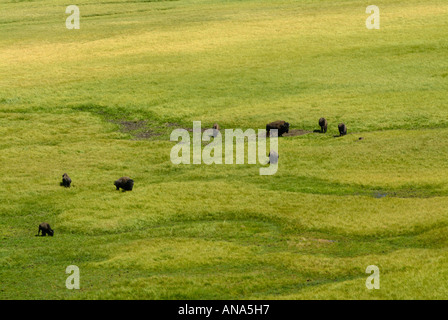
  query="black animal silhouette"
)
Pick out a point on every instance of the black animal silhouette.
point(45, 229)
point(342, 129)
point(124, 183)
point(66, 181)
point(280, 125)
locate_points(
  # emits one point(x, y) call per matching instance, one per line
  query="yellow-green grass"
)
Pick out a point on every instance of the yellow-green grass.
point(335, 206)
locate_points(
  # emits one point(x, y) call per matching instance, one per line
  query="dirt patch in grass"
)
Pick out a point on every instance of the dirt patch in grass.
point(137, 128)
point(296, 132)
point(144, 129)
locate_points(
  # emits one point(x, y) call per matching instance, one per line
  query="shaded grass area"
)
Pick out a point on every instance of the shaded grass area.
point(320, 186)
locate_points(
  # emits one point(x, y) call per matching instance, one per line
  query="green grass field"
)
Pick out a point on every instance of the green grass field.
point(100, 103)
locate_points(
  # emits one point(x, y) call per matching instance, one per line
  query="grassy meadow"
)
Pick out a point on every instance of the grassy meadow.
point(100, 103)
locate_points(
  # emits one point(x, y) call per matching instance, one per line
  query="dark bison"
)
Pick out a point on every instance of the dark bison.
point(45, 229)
point(124, 183)
point(323, 125)
point(66, 181)
point(281, 126)
point(342, 129)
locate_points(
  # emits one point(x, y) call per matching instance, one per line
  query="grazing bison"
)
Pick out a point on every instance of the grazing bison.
point(45, 229)
point(281, 126)
point(215, 130)
point(342, 129)
point(66, 181)
point(323, 125)
point(273, 157)
point(124, 183)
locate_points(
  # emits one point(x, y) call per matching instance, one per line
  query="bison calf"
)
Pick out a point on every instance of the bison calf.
point(66, 181)
point(342, 129)
point(281, 126)
point(215, 130)
point(124, 183)
point(45, 229)
point(323, 125)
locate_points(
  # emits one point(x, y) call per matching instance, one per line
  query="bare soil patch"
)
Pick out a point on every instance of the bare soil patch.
point(137, 128)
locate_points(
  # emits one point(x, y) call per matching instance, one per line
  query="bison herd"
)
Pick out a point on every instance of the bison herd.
point(323, 127)
point(283, 127)
point(126, 183)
